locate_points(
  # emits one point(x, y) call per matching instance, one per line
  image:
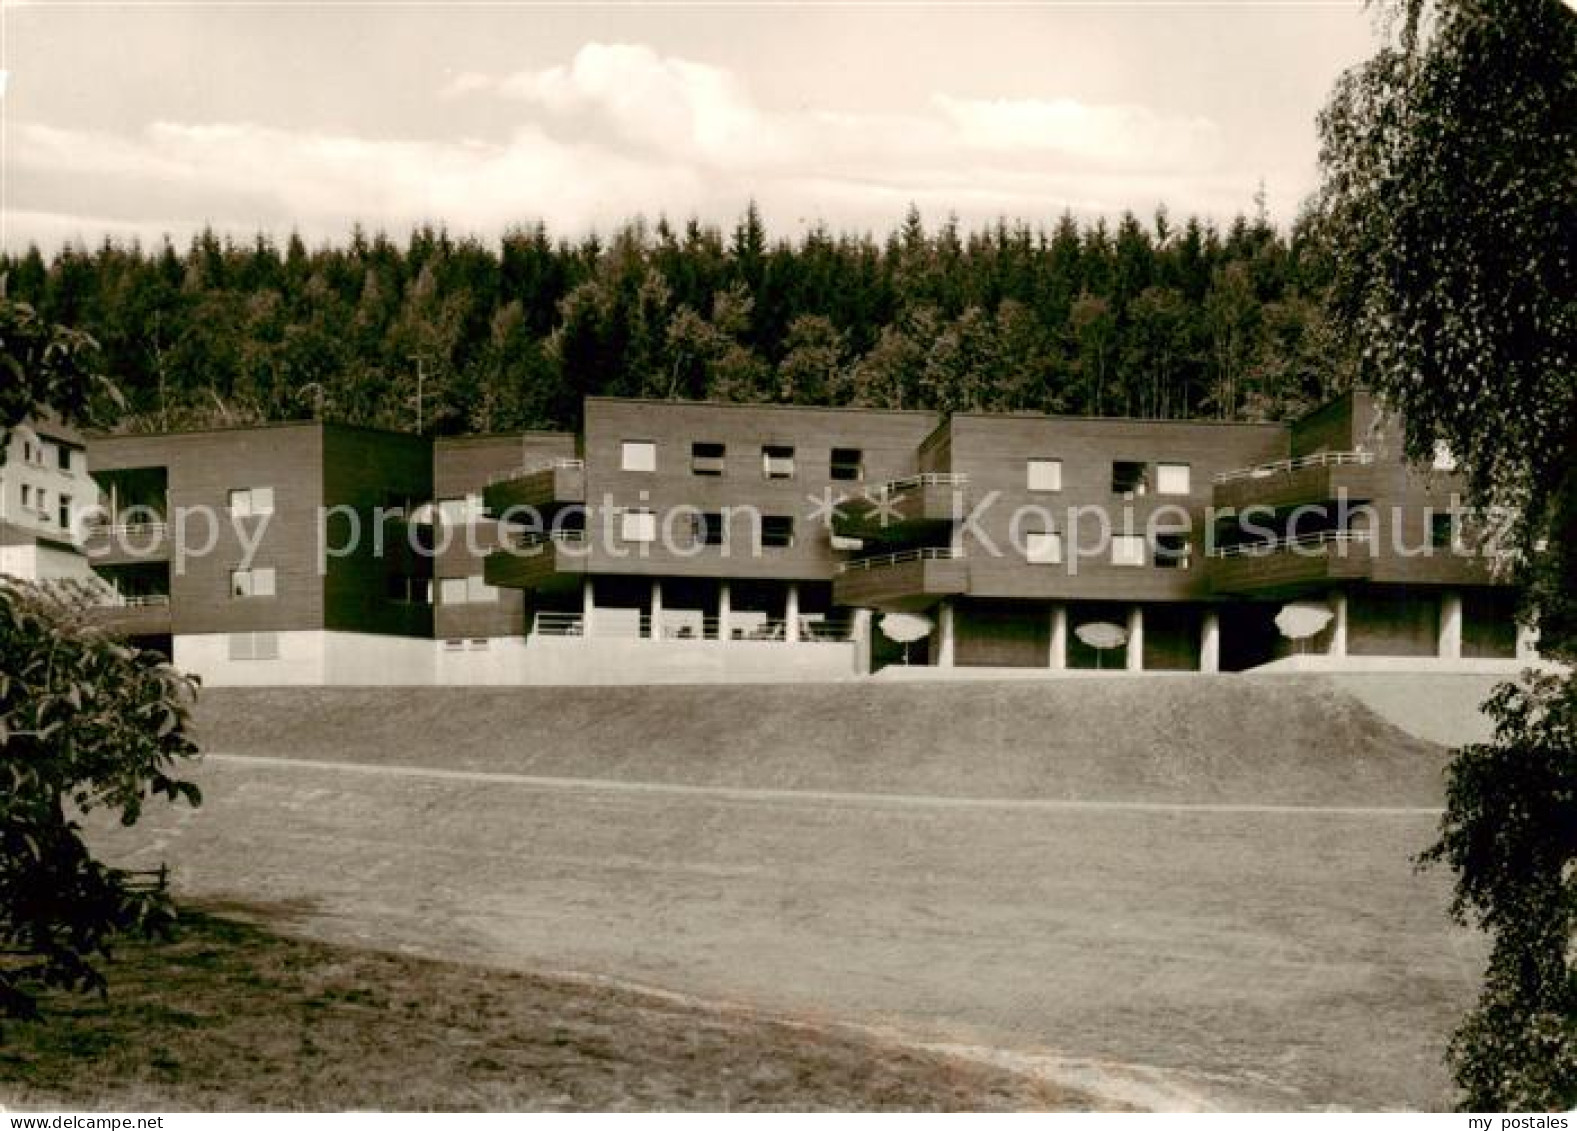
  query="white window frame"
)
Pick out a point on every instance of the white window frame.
point(1050, 478)
point(478, 591)
point(1164, 488)
point(638, 455)
point(638, 525)
point(245, 502)
point(1130, 550)
point(259, 581)
point(768, 459)
point(452, 591)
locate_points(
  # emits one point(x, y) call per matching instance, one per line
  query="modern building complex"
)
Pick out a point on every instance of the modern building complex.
point(683, 542)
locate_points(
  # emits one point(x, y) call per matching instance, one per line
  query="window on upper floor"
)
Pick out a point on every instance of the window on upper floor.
point(41, 501)
point(708, 529)
point(246, 501)
point(1129, 550)
point(64, 512)
point(848, 464)
point(1172, 479)
point(638, 526)
point(478, 591)
point(777, 461)
point(1444, 532)
point(707, 458)
point(1172, 551)
point(27, 495)
point(451, 591)
point(1043, 474)
point(63, 457)
point(638, 455)
point(257, 582)
point(1130, 478)
point(44, 453)
point(1043, 547)
point(777, 531)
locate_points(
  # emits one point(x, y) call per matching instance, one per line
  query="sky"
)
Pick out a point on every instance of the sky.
point(140, 120)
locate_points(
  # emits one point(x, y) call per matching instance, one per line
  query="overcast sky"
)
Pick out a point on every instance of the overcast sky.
point(140, 120)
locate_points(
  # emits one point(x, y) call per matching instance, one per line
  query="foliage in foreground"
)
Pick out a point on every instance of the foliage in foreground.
point(86, 722)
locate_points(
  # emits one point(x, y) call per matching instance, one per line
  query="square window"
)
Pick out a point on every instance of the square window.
point(1043, 475)
point(478, 591)
point(265, 645)
point(638, 455)
point(777, 531)
point(777, 462)
point(1171, 479)
point(848, 464)
point(1128, 550)
point(252, 582)
point(1172, 551)
point(1043, 547)
point(708, 529)
point(263, 582)
point(452, 591)
point(262, 500)
point(638, 526)
point(241, 503)
point(707, 458)
point(1129, 478)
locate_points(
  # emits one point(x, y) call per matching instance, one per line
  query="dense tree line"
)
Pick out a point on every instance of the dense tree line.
point(1140, 319)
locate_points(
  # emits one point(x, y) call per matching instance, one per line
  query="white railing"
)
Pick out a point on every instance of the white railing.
point(745, 627)
point(134, 601)
point(533, 542)
point(126, 530)
point(1324, 538)
point(1287, 466)
point(927, 554)
point(533, 468)
point(926, 479)
point(558, 624)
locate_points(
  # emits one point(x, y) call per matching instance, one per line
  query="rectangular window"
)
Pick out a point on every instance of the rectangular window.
point(246, 501)
point(638, 526)
point(478, 644)
point(478, 591)
point(1128, 550)
point(777, 531)
point(254, 645)
point(1044, 474)
point(1443, 531)
point(453, 645)
point(27, 495)
point(707, 458)
point(252, 582)
point(848, 464)
point(41, 497)
point(1172, 551)
point(708, 529)
point(1171, 479)
point(451, 591)
point(65, 511)
point(45, 453)
point(638, 455)
point(1129, 478)
point(1043, 547)
point(777, 462)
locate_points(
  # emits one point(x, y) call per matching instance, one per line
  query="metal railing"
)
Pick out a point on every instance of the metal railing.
point(925, 479)
point(103, 529)
point(925, 554)
point(1287, 466)
point(132, 601)
point(533, 542)
point(1324, 538)
point(746, 627)
point(562, 463)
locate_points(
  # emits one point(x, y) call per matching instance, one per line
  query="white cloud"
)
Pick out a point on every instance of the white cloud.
point(621, 130)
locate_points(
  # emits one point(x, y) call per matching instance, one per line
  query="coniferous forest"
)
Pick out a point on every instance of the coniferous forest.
point(1155, 319)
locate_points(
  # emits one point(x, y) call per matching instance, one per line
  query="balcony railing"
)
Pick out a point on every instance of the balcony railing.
point(1309, 542)
point(926, 554)
point(1287, 466)
point(132, 601)
point(125, 530)
point(812, 630)
point(533, 468)
point(927, 479)
point(533, 542)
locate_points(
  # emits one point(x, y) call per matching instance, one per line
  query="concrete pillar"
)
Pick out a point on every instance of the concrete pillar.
point(861, 633)
point(1210, 642)
point(1527, 642)
point(944, 635)
point(1449, 638)
point(724, 612)
point(655, 620)
point(1136, 638)
point(588, 606)
point(1058, 659)
point(791, 613)
point(1338, 645)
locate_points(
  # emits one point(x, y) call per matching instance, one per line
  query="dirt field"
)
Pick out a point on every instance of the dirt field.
point(1169, 943)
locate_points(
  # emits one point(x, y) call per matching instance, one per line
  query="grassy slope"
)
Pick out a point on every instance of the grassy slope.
point(233, 1017)
point(1228, 739)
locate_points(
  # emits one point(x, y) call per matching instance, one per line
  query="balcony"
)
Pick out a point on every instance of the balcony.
point(906, 580)
point(118, 543)
point(1291, 482)
point(145, 614)
point(542, 487)
point(1289, 564)
point(681, 625)
point(903, 510)
point(537, 560)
